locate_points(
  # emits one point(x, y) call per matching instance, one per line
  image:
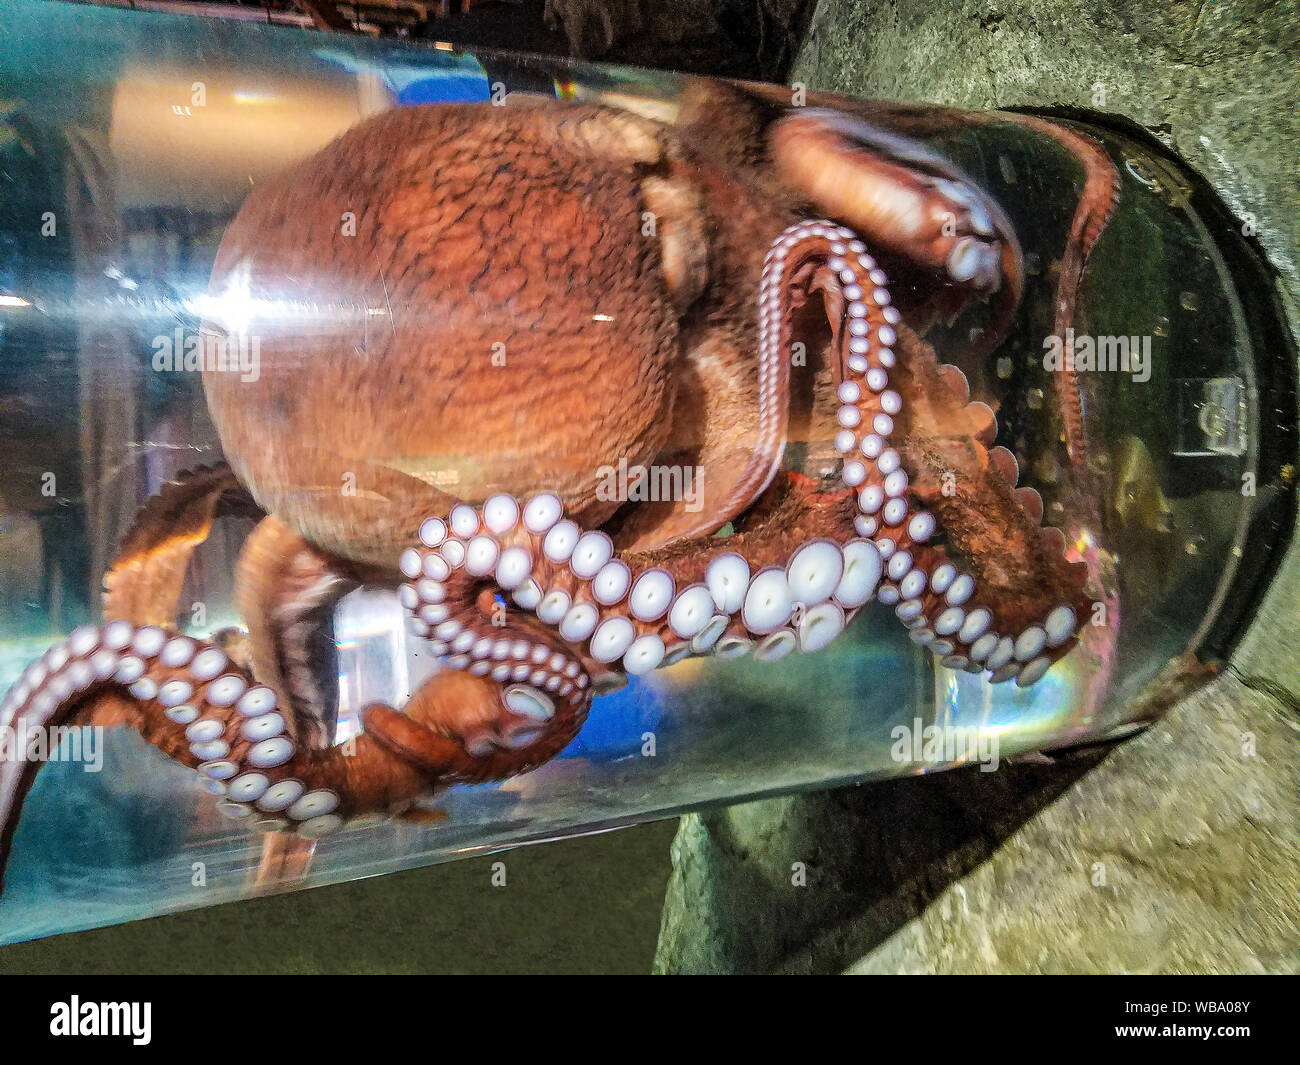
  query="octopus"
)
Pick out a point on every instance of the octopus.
point(467, 315)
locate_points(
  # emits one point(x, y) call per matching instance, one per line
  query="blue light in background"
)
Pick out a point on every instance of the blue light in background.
point(616, 722)
point(448, 79)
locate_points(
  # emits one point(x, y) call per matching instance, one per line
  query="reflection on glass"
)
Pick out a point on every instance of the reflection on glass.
point(876, 424)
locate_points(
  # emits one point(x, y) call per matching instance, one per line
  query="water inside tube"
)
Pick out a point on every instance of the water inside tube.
point(122, 168)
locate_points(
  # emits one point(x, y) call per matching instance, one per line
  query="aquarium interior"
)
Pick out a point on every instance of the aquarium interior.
point(97, 126)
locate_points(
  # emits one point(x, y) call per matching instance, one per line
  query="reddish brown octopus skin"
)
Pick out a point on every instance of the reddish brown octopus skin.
point(463, 315)
point(526, 316)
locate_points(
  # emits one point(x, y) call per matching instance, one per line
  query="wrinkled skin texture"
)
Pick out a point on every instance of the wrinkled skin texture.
point(529, 361)
point(465, 313)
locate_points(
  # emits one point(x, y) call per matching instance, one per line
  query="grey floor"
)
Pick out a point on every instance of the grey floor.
point(588, 905)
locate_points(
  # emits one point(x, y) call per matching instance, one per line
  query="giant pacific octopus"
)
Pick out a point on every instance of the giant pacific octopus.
point(527, 294)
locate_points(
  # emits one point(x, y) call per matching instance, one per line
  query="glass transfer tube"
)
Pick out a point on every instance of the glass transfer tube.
point(427, 451)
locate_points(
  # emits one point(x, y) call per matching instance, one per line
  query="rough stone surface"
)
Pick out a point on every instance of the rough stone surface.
point(1268, 657)
point(1178, 851)
point(1193, 873)
point(1174, 852)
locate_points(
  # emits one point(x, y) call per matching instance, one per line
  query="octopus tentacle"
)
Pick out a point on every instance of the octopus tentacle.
point(981, 620)
point(285, 587)
point(903, 197)
point(1037, 618)
point(900, 196)
point(636, 621)
point(205, 712)
point(144, 582)
point(1097, 203)
point(571, 581)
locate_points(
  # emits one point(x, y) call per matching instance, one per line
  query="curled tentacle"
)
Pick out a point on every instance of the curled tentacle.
point(143, 584)
point(1021, 607)
point(205, 712)
point(629, 614)
point(902, 197)
point(739, 596)
point(286, 591)
point(1097, 202)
